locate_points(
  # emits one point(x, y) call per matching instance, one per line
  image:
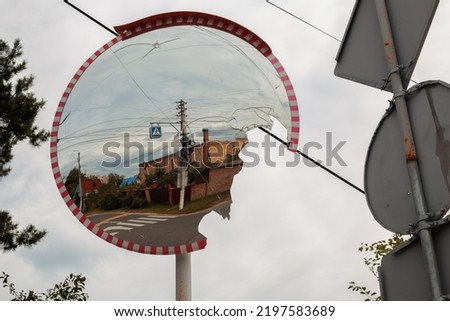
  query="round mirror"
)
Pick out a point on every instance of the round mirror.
point(147, 135)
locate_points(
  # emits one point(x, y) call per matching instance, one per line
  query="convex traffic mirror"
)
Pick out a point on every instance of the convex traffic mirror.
point(147, 135)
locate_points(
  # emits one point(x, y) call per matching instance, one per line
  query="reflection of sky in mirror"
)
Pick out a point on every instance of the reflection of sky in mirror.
point(229, 88)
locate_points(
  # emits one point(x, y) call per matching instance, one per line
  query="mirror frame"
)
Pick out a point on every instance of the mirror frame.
point(136, 28)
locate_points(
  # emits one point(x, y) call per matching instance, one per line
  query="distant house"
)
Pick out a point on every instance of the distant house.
point(128, 181)
point(89, 186)
point(216, 162)
point(210, 154)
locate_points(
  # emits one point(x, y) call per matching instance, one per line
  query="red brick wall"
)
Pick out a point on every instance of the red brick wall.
point(199, 191)
point(221, 179)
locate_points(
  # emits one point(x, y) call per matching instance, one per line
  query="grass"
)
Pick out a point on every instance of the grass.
point(189, 207)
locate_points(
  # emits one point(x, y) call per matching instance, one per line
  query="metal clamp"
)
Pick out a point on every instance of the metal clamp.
point(439, 214)
point(427, 223)
point(401, 94)
point(422, 225)
point(393, 71)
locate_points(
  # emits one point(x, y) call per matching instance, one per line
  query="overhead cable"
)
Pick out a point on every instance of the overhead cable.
point(304, 21)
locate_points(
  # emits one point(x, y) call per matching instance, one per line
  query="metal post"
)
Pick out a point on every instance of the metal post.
point(183, 277)
point(183, 188)
point(409, 149)
point(183, 261)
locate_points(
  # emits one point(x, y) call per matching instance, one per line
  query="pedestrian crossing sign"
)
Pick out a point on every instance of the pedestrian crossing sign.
point(155, 132)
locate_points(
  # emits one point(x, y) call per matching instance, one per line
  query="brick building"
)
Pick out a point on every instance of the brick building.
point(215, 162)
point(208, 154)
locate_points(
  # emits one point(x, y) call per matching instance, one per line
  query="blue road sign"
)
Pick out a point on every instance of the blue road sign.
point(155, 132)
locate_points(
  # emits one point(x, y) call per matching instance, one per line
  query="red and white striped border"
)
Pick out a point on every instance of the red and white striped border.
point(134, 29)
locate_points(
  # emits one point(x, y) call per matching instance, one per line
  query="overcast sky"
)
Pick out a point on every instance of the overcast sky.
point(294, 231)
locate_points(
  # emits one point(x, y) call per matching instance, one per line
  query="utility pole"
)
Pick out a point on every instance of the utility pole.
point(80, 183)
point(184, 153)
point(183, 261)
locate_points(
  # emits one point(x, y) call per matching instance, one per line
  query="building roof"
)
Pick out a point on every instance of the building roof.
point(128, 181)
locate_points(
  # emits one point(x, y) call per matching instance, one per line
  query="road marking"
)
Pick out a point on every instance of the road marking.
point(112, 218)
point(152, 219)
point(168, 216)
point(117, 227)
point(155, 216)
point(144, 221)
point(131, 224)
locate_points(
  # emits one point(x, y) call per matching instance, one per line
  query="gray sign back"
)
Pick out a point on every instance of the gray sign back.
point(386, 180)
point(403, 274)
point(361, 57)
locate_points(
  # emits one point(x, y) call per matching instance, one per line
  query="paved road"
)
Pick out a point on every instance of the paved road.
point(153, 229)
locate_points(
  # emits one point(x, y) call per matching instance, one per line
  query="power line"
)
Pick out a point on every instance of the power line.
point(315, 162)
point(90, 17)
point(304, 21)
point(313, 26)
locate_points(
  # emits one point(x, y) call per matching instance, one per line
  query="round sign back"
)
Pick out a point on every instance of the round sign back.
point(147, 135)
point(388, 190)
